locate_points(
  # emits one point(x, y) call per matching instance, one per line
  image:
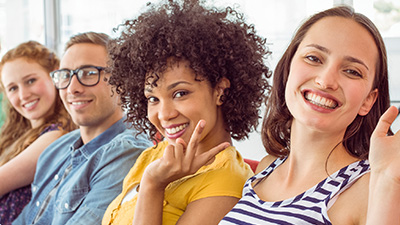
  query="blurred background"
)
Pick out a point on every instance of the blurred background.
point(52, 22)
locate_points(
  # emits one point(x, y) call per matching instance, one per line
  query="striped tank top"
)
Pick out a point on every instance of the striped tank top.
point(310, 207)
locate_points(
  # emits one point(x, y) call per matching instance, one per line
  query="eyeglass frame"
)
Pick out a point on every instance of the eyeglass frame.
point(75, 72)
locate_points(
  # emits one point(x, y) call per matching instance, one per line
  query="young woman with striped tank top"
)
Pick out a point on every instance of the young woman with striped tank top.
point(330, 88)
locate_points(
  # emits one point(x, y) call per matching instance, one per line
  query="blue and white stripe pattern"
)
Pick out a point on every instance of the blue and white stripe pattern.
point(309, 207)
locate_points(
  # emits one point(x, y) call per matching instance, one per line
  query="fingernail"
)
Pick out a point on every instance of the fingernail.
point(202, 123)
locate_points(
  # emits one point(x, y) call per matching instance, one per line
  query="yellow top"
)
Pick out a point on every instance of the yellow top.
point(224, 177)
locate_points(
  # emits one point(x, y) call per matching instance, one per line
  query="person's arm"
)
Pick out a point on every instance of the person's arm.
point(177, 162)
point(209, 210)
point(20, 171)
point(105, 179)
point(384, 187)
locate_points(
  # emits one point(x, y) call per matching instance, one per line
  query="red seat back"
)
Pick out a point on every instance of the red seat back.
point(253, 163)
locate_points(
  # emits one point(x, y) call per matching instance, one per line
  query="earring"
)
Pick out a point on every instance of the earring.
point(222, 98)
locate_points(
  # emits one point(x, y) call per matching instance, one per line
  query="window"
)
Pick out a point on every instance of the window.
point(386, 16)
point(78, 16)
point(20, 21)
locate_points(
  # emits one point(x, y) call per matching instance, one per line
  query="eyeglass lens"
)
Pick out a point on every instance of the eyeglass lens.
point(86, 76)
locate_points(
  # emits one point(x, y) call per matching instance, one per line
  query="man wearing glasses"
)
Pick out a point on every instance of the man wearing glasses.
point(79, 174)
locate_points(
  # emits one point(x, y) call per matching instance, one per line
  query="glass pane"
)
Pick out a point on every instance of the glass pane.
point(384, 13)
point(386, 16)
point(20, 21)
point(95, 15)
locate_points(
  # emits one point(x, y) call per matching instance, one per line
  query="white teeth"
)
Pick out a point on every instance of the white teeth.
point(27, 105)
point(78, 103)
point(176, 129)
point(320, 101)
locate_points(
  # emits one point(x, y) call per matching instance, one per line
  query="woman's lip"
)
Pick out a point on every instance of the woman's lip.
point(173, 125)
point(175, 130)
point(322, 94)
point(175, 135)
point(317, 106)
point(30, 104)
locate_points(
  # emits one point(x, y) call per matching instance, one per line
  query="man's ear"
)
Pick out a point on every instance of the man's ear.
point(368, 102)
point(223, 84)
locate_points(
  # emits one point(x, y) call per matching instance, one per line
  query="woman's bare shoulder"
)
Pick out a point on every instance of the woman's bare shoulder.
point(352, 204)
point(266, 161)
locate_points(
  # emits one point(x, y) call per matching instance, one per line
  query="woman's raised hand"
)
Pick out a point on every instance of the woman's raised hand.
point(181, 160)
point(384, 153)
point(384, 187)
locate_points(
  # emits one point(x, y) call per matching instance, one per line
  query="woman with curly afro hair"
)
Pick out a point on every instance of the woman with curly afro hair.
point(197, 77)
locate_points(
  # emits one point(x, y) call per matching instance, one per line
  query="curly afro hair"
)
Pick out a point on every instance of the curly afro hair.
point(217, 43)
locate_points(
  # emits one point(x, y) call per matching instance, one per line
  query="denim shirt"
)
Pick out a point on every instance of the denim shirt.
point(95, 179)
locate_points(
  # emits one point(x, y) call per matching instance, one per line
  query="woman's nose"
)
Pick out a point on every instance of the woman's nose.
point(24, 93)
point(327, 78)
point(166, 111)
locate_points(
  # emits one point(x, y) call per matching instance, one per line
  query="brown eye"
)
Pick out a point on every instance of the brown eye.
point(353, 73)
point(180, 94)
point(152, 99)
point(31, 81)
point(313, 58)
point(13, 88)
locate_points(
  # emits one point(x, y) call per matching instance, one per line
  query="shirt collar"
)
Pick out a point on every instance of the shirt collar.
point(102, 139)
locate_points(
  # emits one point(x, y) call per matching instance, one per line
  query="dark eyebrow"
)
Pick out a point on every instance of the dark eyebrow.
point(355, 60)
point(171, 86)
point(348, 58)
point(319, 47)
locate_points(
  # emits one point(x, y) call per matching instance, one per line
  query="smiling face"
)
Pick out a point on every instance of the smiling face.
point(178, 102)
point(94, 107)
point(29, 89)
point(331, 75)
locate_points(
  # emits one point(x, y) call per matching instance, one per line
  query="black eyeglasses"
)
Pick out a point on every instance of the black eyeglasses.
point(87, 76)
